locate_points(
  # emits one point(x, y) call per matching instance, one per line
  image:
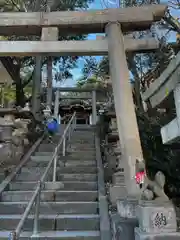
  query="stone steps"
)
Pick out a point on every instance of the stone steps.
point(78, 146)
point(50, 148)
point(62, 169)
point(51, 207)
point(48, 195)
point(81, 140)
point(74, 185)
point(61, 177)
point(53, 222)
point(75, 156)
point(68, 163)
point(63, 235)
point(71, 210)
point(77, 177)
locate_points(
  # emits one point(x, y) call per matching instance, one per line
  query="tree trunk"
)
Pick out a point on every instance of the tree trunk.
point(20, 97)
point(14, 72)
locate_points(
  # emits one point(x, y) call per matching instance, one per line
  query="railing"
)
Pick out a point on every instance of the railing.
point(36, 198)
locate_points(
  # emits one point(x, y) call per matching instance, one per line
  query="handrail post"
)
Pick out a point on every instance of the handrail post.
point(55, 165)
point(64, 147)
point(74, 122)
point(36, 215)
point(69, 133)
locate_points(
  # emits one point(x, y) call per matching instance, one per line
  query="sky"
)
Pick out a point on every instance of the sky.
point(98, 5)
point(77, 71)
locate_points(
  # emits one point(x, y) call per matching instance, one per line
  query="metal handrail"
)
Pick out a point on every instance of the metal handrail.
point(14, 235)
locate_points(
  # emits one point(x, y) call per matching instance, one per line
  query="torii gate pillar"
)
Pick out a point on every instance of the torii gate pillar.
point(94, 111)
point(124, 106)
point(36, 89)
point(56, 105)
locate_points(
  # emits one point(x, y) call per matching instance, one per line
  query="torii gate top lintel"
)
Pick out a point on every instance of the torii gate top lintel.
point(94, 21)
point(76, 89)
point(49, 24)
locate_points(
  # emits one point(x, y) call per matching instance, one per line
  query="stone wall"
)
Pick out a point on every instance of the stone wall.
point(13, 139)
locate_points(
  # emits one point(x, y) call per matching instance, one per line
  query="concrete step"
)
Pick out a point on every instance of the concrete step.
point(2, 176)
point(43, 153)
point(83, 186)
point(66, 158)
point(49, 195)
point(81, 148)
point(86, 146)
point(62, 169)
point(68, 163)
point(46, 147)
point(88, 177)
point(42, 158)
point(50, 147)
point(81, 152)
point(86, 126)
point(85, 142)
point(83, 134)
point(81, 140)
point(82, 155)
point(76, 142)
point(28, 176)
point(77, 156)
point(51, 207)
point(52, 222)
point(76, 169)
point(63, 235)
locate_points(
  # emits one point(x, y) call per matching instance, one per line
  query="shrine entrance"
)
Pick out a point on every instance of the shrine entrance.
point(113, 22)
point(85, 107)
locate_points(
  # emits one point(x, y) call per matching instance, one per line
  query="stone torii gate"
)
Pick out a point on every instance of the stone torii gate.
point(112, 21)
point(90, 90)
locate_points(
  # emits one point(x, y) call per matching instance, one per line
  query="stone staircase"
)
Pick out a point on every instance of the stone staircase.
point(71, 212)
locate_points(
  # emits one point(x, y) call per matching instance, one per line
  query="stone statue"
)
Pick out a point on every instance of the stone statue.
point(154, 190)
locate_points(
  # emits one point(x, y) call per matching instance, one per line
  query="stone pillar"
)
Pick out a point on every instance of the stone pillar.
point(124, 223)
point(115, 168)
point(36, 89)
point(49, 34)
point(49, 82)
point(94, 111)
point(124, 106)
point(6, 145)
point(56, 105)
point(177, 102)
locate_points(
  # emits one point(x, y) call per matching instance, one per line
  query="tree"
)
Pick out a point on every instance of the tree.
point(14, 65)
point(175, 4)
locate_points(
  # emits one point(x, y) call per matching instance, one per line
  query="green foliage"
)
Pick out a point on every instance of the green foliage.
point(93, 67)
point(159, 157)
point(9, 93)
point(63, 65)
